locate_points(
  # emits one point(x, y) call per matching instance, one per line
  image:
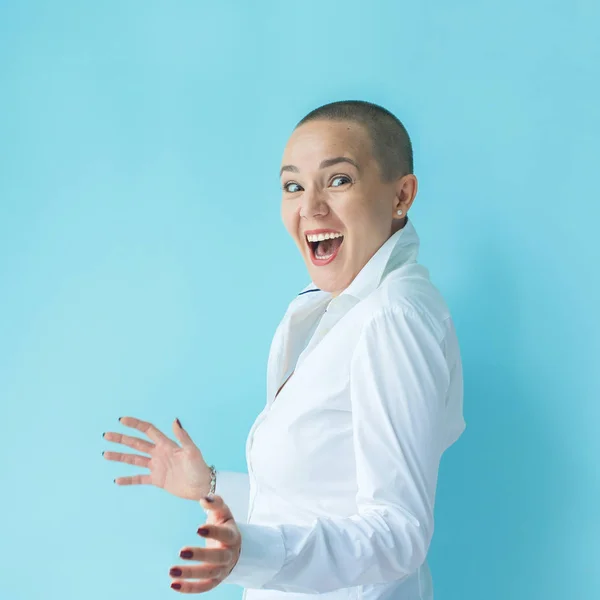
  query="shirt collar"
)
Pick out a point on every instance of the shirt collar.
point(399, 249)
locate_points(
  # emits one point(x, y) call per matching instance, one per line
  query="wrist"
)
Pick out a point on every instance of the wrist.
point(207, 487)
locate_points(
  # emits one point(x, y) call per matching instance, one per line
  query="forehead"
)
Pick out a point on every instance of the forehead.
point(314, 141)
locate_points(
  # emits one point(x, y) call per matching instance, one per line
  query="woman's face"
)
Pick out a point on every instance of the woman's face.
point(330, 181)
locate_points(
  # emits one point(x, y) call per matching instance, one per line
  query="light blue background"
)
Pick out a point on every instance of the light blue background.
point(144, 266)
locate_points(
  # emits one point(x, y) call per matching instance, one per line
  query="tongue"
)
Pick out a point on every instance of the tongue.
point(328, 247)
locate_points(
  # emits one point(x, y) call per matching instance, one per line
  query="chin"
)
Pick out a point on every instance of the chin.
point(324, 283)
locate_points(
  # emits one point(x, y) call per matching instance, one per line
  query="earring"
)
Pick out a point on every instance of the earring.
point(399, 212)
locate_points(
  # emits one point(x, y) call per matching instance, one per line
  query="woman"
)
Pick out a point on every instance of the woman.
point(364, 391)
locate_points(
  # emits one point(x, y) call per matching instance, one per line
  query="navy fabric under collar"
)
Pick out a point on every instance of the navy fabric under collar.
point(308, 291)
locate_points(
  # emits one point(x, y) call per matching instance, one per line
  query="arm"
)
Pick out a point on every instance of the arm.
point(234, 487)
point(398, 383)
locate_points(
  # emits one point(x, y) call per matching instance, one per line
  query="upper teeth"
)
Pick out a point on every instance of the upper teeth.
point(319, 237)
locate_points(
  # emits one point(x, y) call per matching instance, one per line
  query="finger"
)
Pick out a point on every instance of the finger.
point(182, 435)
point(130, 459)
point(217, 506)
point(215, 556)
point(222, 533)
point(195, 587)
point(199, 571)
point(152, 432)
point(134, 480)
point(132, 442)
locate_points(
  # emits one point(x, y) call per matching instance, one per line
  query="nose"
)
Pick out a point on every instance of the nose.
point(312, 204)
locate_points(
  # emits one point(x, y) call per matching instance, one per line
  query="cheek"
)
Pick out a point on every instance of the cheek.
point(289, 216)
point(355, 216)
point(369, 214)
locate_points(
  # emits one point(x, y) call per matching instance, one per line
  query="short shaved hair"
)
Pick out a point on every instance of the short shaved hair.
point(391, 145)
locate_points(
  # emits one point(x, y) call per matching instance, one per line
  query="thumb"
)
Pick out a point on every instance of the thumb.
point(182, 435)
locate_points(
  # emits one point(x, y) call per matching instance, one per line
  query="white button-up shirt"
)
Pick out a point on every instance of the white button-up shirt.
point(343, 463)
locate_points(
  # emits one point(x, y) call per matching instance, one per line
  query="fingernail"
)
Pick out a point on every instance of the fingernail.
point(175, 572)
point(104, 434)
point(209, 498)
point(114, 481)
point(179, 423)
point(120, 418)
point(103, 454)
point(186, 554)
point(203, 531)
point(176, 586)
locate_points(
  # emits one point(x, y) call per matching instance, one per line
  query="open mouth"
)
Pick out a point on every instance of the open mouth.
point(325, 250)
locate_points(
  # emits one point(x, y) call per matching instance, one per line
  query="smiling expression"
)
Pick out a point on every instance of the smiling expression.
point(331, 183)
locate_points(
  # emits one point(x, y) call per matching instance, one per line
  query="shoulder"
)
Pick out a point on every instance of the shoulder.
point(408, 295)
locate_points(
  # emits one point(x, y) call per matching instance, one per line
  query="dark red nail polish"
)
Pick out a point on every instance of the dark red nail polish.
point(176, 586)
point(186, 554)
point(175, 572)
point(179, 423)
point(203, 531)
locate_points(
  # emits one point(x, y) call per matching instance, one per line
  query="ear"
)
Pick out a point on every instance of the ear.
point(406, 189)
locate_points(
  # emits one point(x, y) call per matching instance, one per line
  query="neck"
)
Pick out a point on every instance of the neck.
point(398, 224)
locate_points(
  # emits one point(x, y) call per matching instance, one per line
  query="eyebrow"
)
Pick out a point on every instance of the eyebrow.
point(328, 162)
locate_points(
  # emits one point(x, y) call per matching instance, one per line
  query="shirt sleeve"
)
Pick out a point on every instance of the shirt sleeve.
point(234, 487)
point(398, 382)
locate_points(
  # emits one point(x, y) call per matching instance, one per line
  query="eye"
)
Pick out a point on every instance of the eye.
point(286, 187)
point(344, 178)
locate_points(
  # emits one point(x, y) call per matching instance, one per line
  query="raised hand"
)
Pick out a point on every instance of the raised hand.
point(179, 470)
